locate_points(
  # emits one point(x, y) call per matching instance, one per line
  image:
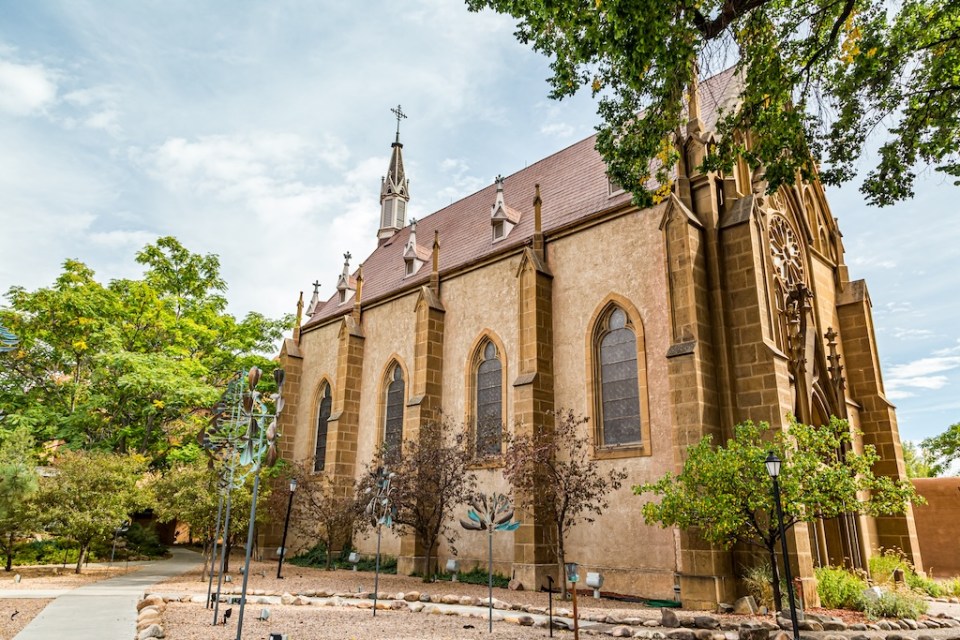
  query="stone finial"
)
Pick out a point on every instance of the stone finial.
point(359, 283)
point(435, 274)
point(537, 204)
point(314, 300)
point(299, 319)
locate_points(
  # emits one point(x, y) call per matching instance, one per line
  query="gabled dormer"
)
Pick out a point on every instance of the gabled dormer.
point(502, 218)
point(394, 190)
point(414, 256)
point(346, 286)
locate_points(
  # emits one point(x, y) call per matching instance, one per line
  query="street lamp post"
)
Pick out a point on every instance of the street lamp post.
point(773, 470)
point(286, 525)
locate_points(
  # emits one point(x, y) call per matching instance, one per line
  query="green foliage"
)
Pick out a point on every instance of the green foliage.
point(316, 557)
point(944, 449)
point(18, 485)
point(477, 575)
point(883, 565)
point(725, 491)
point(819, 77)
point(50, 551)
point(920, 461)
point(839, 588)
point(758, 581)
point(130, 365)
point(90, 495)
point(951, 587)
point(142, 542)
point(898, 603)
point(924, 585)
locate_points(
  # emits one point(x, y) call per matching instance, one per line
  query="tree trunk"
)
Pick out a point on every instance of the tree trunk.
point(9, 565)
point(207, 547)
point(146, 433)
point(81, 556)
point(329, 553)
point(775, 571)
point(228, 544)
point(561, 565)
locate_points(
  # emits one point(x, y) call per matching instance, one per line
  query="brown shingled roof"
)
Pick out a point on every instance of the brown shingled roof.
point(573, 184)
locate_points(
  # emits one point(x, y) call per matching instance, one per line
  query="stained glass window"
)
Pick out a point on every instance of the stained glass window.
point(393, 422)
point(489, 405)
point(326, 402)
point(619, 389)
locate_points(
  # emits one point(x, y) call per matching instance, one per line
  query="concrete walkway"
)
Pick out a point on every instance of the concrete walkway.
point(106, 609)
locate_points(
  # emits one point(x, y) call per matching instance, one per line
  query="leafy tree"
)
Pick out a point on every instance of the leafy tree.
point(431, 479)
point(726, 493)
point(944, 449)
point(819, 77)
point(132, 365)
point(554, 473)
point(90, 495)
point(18, 484)
point(318, 510)
point(920, 461)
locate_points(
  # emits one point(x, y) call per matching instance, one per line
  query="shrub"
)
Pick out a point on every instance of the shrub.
point(478, 575)
point(952, 587)
point(924, 585)
point(758, 581)
point(51, 551)
point(900, 603)
point(317, 557)
point(839, 588)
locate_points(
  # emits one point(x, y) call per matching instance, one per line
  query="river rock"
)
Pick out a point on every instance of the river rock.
point(153, 631)
point(669, 619)
point(745, 606)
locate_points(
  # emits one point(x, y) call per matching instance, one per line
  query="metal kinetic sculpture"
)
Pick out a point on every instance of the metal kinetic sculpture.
point(242, 433)
point(8, 341)
point(490, 514)
point(381, 513)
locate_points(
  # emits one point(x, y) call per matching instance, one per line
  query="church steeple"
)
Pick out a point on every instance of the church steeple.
point(394, 189)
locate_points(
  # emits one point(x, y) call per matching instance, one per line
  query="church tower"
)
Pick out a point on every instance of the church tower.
point(394, 190)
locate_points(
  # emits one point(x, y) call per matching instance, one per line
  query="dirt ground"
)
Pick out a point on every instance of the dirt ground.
point(57, 577)
point(15, 614)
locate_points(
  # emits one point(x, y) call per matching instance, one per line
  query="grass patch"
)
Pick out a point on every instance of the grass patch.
point(477, 576)
point(898, 603)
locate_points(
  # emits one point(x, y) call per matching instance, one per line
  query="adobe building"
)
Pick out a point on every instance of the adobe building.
point(937, 525)
point(548, 289)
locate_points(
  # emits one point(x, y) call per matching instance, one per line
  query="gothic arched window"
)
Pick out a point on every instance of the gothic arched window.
point(488, 407)
point(393, 414)
point(617, 388)
point(323, 415)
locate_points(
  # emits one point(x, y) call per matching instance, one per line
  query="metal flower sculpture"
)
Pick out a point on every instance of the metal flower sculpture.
point(242, 433)
point(381, 513)
point(493, 513)
point(8, 341)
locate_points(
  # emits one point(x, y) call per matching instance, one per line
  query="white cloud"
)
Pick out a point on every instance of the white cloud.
point(119, 239)
point(558, 130)
point(923, 373)
point(26, 88)
point(872, 260)
point(901, 333)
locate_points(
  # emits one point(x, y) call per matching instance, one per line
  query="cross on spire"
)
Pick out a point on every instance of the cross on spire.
point(347, 256)
point(400, 115)
point(316, 286)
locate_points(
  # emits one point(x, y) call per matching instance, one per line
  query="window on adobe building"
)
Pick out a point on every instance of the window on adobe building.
point(488, 402)
point(617, 383)
point(323, 415)
point(393, 415)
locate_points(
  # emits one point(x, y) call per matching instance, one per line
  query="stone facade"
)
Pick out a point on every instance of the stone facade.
point(739, 305)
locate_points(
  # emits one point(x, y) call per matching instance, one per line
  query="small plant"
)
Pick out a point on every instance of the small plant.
point(477, 575)
point(951, 587)
point(899, 603)
point(316, 557)
point(839, 588)
point(758, 582)
point(884, 565)
point(924, 585)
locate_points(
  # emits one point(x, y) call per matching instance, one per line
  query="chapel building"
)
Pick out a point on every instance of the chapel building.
point(549, 289)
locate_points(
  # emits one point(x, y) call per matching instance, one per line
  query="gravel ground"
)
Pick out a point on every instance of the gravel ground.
point(263, 575)
point(56, 577)
point(192, 622)
point(26, 610)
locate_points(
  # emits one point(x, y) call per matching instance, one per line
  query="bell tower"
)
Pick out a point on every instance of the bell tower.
point(394, 189)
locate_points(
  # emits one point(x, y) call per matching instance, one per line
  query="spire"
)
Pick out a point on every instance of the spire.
point(435, 275)
point(315, 300)
point(356, 302)
point(694, 124)
point(394, 189)
point(344, 286)
point(299, 319)
point(538, 242)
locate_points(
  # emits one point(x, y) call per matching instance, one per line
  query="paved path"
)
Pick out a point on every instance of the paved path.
point(105, 609)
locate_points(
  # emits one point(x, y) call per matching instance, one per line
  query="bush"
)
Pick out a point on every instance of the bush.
point(51, 551)
point(924, 585)
point(758, 581)
point(900, 603)
point(478, 575)
point(317, 557)
point(839, 588)
point(952, 587)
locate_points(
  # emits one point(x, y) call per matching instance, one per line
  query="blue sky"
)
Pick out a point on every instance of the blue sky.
point(259, 131)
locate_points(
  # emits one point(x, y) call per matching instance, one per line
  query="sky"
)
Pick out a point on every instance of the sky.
point(258, 131)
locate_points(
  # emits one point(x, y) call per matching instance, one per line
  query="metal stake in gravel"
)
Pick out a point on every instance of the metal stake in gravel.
point(380, 512)
point(493, 514)
point(260, 440)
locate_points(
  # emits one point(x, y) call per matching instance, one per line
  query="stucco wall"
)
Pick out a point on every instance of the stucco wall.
point(937, 525)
